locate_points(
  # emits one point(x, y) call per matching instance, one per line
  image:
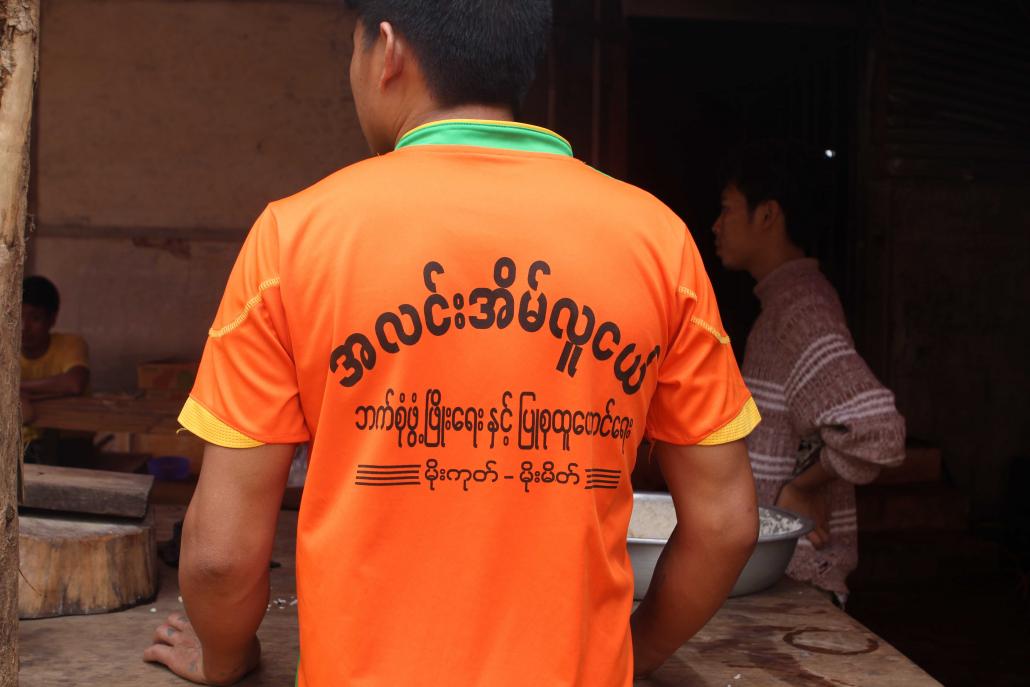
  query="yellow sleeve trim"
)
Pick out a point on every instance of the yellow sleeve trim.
point(251, 304)
point(719, 336)
point(202, 422)
point(737, 428)
point(698, 322)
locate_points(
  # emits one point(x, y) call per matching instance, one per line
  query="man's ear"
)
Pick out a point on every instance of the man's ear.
point(394, 54)
point(768, 213)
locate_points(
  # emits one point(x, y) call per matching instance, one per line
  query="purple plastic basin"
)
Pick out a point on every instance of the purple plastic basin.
point(169, 468)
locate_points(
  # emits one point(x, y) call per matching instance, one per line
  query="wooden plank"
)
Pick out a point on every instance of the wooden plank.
point(119, 462)
point(90, 231)
point(810, 12)
point(95, 492)
point(109, 414)
point(922, 464)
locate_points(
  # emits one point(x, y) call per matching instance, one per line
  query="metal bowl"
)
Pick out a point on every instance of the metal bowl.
point(652, 523)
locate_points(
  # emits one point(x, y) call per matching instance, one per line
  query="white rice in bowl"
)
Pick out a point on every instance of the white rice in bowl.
point(655, 519)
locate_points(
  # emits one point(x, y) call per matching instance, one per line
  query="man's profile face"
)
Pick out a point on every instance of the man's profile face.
point(35, 327)
point(736, 231)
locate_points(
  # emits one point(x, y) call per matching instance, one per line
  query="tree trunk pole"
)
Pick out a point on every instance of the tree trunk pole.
point(19, 24)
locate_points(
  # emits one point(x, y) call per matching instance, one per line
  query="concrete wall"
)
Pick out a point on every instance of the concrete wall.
point(163, 129)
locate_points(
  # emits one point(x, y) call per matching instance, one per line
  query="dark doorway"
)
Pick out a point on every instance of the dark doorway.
point(698, 88)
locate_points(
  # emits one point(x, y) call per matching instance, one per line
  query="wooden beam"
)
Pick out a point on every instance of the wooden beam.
point(93, 492)
point(236, 2)
point(19, 53)
point(89, 231)
point(817, 12)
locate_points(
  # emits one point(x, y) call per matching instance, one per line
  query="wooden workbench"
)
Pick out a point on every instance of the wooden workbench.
point(790, 635)
point(143, 426)
point(110, 413)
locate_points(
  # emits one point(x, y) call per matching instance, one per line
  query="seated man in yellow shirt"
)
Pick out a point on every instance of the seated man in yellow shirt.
point(52, 364)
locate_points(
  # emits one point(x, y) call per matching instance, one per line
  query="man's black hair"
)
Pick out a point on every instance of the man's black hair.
point(784, 172)
point(472, 52)
point(41, 292)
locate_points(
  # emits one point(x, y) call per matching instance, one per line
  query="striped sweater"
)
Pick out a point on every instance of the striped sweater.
point(813, 389)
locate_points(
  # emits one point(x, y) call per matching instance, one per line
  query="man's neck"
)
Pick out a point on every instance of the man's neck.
point(422, 117)
point(770, 261)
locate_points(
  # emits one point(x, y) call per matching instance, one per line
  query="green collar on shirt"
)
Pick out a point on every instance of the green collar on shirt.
point(487, 134)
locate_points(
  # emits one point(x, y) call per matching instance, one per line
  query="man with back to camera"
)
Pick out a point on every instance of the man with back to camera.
point(474, 331)
point(829, 424)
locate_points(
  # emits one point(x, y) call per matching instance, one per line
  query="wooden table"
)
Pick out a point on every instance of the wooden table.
point(140, 425)
point(113, 413)
point(790, 635)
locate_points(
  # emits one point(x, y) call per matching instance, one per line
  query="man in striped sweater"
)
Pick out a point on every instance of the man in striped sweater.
point(828, 423)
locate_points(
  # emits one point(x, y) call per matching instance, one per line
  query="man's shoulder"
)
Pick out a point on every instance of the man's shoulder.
point(810, 314)
point(371, 182)
point(640, 213)
point(613, 191)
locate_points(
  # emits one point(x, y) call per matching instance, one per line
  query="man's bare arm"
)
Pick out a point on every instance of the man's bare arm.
point(74, 382)
point(227, 542)
point(717, 527)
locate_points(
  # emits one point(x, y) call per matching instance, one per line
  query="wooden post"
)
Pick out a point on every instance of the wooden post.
point(19, 24)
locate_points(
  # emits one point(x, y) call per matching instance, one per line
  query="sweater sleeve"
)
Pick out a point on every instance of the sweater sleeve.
point(832, 392)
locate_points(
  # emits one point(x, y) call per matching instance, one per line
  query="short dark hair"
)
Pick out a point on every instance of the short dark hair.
point(41, 293)
point(473, 52)
point(787, 173)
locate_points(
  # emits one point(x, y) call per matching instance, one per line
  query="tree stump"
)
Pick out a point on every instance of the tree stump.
point(79, 566)
point(19, 28)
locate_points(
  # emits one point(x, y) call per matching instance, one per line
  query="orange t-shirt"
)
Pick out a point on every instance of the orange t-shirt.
point(474, 332)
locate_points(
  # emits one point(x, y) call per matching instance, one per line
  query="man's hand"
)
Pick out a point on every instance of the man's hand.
point(177, 647)
point(811, 503)
point(808, 495)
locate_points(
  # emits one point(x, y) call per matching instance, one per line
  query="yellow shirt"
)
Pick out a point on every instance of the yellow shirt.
point(66, 351)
